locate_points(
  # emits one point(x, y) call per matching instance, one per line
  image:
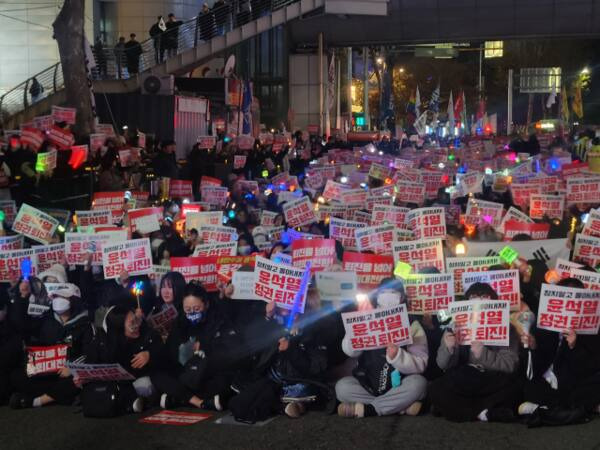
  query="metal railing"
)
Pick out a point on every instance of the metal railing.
point(125, 61)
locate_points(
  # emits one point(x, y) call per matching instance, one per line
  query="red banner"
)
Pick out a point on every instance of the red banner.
point(320, 252)
point(370, 269)
point(200, 268)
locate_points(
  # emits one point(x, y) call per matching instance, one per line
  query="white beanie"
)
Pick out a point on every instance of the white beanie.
point(57, 271)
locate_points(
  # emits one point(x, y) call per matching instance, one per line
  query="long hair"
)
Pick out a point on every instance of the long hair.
point(179, 287)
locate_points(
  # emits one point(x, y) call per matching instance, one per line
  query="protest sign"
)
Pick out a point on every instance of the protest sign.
point(546, 205)
point(590, 280)
point(239, 161)
point(380, 196)
point(243, 286)
point(163, 319)
point(32, 137)
point(427, 223)
point(516, 215)
point(433, 181)
point(86, 373)
point(394, 215)
point(227, 265)
point(194, 220)
point(484, 321)
point(587, 250)
point(45, 360)
point(180, 189)
point(62, 114)
point(267, 218)
point(10, 263)
point(11, 242)
point(592, 224)
point(320, 252)
point(379, 171)
point(48, 255)
point(279, 283)
point(214, 195)
point(112, 201)
point(378, 239)
point(425, 253)
point(481, 212)
point(213, 233)
point(199, 268)
point(564, 267)
point(219, 249)
point(343, 231)
point(35, 224)
point(337, 287)
point(97, 141)
point(94, 218)
point(537, 231)
point(429, 293)
point(145, 220)
point(521, 193)
point(564, 308)
point(457, 266)
point(504, 282)
point(471, 182)
point(60, 137)
point(333, 190)
point(326, 212)
point(299, 212)
point(546, 250)
point(78, 246)
point(370, 269)
point(106, 129)
point(583, 189)
point(370, 330)
point(132, 256)
point(166, 417)
point(410, 192)
point(129, 156)
point(9, 208)
point(206, 142)
point(353, 197)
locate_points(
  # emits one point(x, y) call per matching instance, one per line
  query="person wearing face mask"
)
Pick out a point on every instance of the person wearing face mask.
point(480, 382)
point(11, 351)
point(246, 245)
point(136, 347)
point(204, 351)
point(68, 323)
point(385, 381)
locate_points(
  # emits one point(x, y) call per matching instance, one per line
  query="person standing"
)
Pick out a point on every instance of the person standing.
point(100, 57)
point(207, 23)
point(156, 32)
point(133, 51)
point(171, 36)
point(120, 56)
point(35, 90)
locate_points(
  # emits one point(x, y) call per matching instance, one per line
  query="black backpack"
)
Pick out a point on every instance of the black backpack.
point(257, 402)
point(107, 398)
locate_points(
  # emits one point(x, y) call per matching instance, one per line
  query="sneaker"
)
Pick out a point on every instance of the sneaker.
point(299, 392)
point(167, 402)
point(294, 410)
point(20, 401)
point(414, 409)
point(353, 410)
point(527, 408)
point(138, 405)
point(213, 404)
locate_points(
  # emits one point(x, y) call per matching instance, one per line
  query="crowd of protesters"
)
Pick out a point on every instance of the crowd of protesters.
point(259, 359)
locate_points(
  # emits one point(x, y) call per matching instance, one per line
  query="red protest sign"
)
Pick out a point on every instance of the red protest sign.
point(485, 321)
point(299, 212)
point(333, 190)
point(97, 140)
point(112, 201)
point(370, 269)
point(133, 256)
point(35, 224)
point(504, 282)
point(67, 115)
point(564, 308)
point(279, 283)
point(244, 142)
point(60, 137)
point(167, 417)
point(535, 230)
point(180, 189)
point(145, 220)
point(546, 205)
point(239, 161)
point(210, 181)
point(353, 197)
point(320, 252)
point(427, 223)
point(162, 320)
point(50, 359)
point(32, 137)
point(370, 330)
point(421, 254)
point(227, 265)
point(378, 239)
point(199, 268)
point(428, 294)
point(86, 373)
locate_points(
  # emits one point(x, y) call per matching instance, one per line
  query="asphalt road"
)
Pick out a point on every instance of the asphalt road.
point(63, 428)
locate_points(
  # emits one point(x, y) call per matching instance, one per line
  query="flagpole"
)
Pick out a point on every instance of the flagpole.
point(320, 53)
point(509, 115)
point(349, 93)
point(338, 124)
point(366, 88)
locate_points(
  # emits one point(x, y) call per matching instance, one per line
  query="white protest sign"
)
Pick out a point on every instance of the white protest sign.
point(485, 321)
point(504, 282)
point(336, 286)
point(132, 256)
point(563, 308)
point(377, 328)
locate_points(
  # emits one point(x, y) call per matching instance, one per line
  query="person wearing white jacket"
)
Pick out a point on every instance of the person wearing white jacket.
point(386, 381)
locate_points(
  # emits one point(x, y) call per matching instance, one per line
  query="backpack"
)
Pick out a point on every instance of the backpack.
point(107, 398)
point(257, 402)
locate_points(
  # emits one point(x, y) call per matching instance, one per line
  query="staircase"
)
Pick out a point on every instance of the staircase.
point(198, 40)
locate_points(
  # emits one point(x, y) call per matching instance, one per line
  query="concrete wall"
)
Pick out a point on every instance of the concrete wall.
point(26, 44)
point(304, 89)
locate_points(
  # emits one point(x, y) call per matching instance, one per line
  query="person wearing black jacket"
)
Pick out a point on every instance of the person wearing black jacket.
point(67, 324)
point(171, 36)
point(565, 369)
point(165, 163)
point(156, 35)
point(204, 351)
point(172, 288)
point(133, 51)
point(11, 351)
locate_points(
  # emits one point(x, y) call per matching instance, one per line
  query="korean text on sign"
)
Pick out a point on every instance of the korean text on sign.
point(370, 269)
point(427, 223)
point(485, 321)
point(50, 359)
point(457, 266)
point(320, 252)
point(428, 294)
point(370, 330)
point(133, 256)
point(35, 224)
point(278, 283)
point(504, 282)
point(563, 308)
point(299, 212)
point(420, 254)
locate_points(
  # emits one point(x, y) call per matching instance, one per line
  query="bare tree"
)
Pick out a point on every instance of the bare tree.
point(69, 34)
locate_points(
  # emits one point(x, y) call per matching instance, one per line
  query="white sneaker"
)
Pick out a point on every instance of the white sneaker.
point(163, 401)
point(527, 408)
point(138, 405)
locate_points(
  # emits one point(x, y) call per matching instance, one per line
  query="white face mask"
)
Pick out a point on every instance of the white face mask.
point(388, 299)
point(244, 250)
point(60, 305)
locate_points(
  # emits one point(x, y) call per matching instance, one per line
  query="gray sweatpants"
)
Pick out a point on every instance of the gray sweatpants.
point(394, 401)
